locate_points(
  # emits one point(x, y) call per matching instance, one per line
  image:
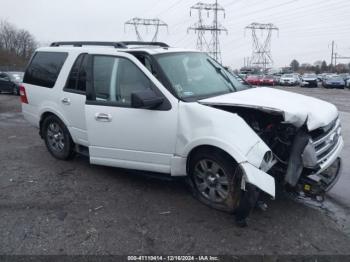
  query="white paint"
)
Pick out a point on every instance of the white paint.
point(297, 109)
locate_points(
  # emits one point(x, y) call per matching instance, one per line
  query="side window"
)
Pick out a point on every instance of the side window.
point(115, 79)
point(73, 76)
point(77, 76)
point(82, 75)
point(45, 68)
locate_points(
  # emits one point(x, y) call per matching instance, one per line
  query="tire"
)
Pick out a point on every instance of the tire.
point(225, 183)
point(57, 138)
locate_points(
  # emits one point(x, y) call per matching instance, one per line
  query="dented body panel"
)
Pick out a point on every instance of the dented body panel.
point(296, 109)
point(202, 125)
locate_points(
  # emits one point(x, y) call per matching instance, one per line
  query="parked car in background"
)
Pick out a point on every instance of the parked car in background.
point(268, 80)
point(334, 81)
point(290, 80)
point(10, 81)
point(253, 80)
point(309, 80)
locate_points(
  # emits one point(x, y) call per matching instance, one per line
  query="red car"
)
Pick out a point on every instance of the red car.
point(253, 80)
point(268, 80)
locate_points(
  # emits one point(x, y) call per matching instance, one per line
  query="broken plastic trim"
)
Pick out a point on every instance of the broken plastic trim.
point(258, 178)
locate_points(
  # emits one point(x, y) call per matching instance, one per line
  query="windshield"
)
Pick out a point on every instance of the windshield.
point(290, 76)
point(197, 76)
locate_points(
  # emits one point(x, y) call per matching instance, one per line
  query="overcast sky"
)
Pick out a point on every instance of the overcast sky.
point(307, 27)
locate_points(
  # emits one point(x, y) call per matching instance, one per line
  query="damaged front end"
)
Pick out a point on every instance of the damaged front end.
point(306, 162)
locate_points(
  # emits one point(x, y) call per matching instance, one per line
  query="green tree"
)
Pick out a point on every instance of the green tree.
point(324, 67)
point(295, 65)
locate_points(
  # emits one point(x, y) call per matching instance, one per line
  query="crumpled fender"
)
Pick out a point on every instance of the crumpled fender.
point(258, 178)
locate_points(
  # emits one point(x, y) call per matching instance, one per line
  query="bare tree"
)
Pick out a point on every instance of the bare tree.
point(16, 45)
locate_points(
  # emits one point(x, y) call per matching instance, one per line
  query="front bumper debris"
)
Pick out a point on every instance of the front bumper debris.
point(318, 184)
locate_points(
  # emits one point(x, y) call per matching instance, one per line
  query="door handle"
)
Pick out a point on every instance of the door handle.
point(102, 117)
point(65, 101)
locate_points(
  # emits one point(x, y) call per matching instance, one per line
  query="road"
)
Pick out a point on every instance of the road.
point(56, 207)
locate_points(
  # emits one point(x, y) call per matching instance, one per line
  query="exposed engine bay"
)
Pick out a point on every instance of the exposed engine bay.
point(296, 168)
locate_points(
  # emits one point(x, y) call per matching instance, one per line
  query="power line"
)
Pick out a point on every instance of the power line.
point(212, 46)
point(136, 23)
point(261, 56)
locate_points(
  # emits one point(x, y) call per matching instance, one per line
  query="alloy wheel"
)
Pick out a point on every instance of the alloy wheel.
point(211, 180)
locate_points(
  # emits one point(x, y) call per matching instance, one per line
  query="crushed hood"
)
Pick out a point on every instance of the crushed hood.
point(296, 109)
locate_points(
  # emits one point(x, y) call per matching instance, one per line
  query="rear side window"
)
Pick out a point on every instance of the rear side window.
point(77, 77)
point(45, 68)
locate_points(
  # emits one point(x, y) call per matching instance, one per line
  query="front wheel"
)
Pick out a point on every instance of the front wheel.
point(216, 180)
point(57, 138)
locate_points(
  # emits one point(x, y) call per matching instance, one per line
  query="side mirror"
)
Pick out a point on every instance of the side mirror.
point(147, 99)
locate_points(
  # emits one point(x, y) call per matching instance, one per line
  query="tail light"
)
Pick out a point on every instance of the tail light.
point(22, 93)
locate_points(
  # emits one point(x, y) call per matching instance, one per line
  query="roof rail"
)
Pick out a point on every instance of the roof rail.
point(161, 44)
point(85, 43)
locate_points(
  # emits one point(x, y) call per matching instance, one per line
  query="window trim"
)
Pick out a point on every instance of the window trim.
point(76, 91)
point(31, 62)
point(90, 90)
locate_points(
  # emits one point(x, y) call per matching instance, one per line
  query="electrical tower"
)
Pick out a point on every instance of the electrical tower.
point(212, 46)
point(261, 56)
point(142, 22)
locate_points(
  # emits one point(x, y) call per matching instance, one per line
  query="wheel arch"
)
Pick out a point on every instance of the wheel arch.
point(48, 113)
point(210, 147)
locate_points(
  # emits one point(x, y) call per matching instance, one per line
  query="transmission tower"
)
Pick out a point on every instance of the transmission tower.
point(213, 45)
point(136, 23)
point(261, 56)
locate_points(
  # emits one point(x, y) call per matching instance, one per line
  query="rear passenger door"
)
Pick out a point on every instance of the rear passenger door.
point(120, 135)
point(73, 99)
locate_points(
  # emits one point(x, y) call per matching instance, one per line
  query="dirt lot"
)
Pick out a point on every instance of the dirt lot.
point(55, 207)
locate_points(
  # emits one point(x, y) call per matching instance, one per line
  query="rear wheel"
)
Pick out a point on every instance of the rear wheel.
point(57, 138)
point(216, 179)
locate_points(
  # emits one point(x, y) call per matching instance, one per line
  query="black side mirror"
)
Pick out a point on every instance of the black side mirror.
point(147, 99)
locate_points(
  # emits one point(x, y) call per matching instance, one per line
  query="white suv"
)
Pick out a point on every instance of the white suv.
point(150, 107)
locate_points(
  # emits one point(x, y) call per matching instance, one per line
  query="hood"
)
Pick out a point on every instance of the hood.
point(296, 109)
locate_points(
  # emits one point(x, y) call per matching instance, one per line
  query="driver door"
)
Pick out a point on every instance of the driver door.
point(118, 134)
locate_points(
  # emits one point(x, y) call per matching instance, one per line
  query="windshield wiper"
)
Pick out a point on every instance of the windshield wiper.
point(222, 73)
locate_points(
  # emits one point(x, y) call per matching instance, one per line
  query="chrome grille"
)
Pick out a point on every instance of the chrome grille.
point(326, 143)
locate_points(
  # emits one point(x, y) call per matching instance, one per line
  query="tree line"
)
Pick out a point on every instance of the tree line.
point(319, 67)
point(16, 46)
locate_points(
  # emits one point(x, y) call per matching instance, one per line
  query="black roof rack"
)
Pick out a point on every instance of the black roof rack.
point(84, 43)
point(161, 44)
point(123, 44)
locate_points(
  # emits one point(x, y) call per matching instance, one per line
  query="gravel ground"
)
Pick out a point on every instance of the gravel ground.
point(55, 207)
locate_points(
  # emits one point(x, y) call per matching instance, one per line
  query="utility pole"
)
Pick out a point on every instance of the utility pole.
point(213, 45)
point(332, 53)
point(136, 23)
point(261, 56)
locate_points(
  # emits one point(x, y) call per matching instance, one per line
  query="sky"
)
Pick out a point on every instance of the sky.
point(306, 27)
